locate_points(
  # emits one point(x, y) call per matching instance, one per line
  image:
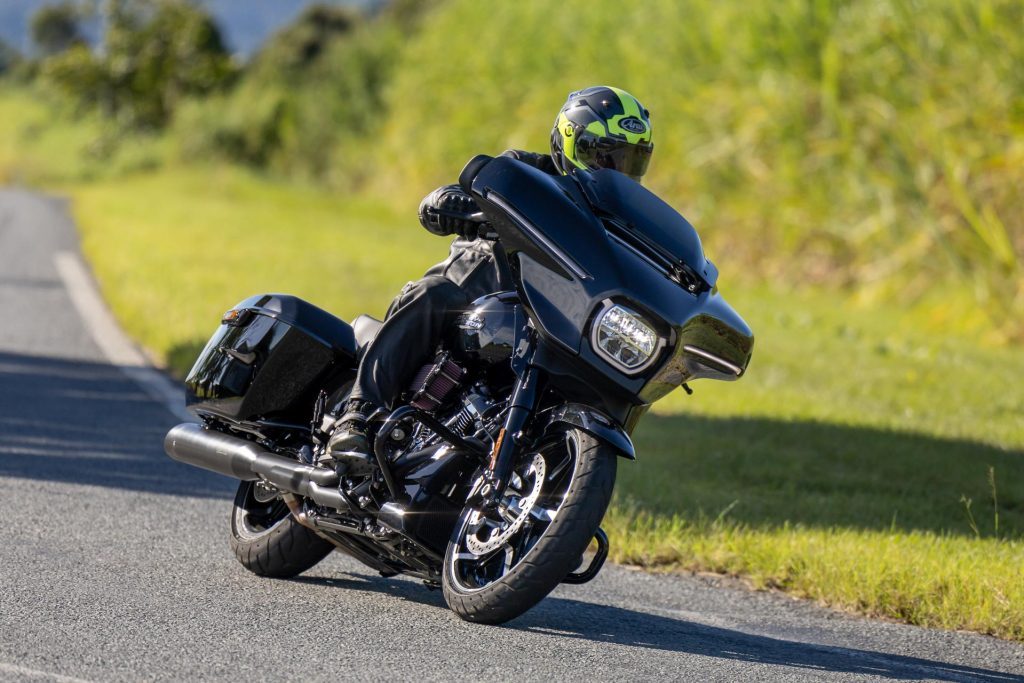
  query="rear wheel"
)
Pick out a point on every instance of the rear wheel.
point(501, 563)
point(265, 537)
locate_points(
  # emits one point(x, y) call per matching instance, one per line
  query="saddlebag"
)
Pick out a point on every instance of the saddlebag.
point(268, 360)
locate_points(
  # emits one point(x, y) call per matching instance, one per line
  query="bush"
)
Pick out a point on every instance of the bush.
point(156, 52)
point(56, 28)
point(308, 102)
point(9, 58)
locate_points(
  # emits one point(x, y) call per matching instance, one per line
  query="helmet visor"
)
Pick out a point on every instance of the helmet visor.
point(602, 152)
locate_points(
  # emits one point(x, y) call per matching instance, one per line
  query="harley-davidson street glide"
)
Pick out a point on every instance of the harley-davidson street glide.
point(494, 470)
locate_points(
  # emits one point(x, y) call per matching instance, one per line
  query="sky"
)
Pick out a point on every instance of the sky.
point(244, 23)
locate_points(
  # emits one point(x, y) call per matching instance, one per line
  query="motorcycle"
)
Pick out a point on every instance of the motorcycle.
point(492, 473)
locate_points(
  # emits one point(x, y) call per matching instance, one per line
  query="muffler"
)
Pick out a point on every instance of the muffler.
point(234, 457)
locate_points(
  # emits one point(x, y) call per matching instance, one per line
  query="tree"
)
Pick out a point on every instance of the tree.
point(9, 57)
point(55, 28)
point(295, 48)
point(155, 53)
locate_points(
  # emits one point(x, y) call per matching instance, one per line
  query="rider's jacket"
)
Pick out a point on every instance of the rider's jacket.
point(471, 264)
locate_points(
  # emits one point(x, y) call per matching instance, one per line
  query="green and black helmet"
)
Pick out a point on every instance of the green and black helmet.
point(602, 127)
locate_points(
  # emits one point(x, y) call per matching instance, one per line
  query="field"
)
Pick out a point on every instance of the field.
point(855, 187)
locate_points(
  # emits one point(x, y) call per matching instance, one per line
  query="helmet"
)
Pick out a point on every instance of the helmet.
point(602, 127)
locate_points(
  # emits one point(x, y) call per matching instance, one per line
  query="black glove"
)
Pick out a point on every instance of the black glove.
point(449, 210)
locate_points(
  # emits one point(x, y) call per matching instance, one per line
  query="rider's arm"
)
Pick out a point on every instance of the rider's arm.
point(449, 210)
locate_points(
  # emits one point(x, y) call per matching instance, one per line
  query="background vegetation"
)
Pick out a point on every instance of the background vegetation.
point(854, 169)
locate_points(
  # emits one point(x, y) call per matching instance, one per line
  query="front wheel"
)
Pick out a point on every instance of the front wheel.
point(501, 563)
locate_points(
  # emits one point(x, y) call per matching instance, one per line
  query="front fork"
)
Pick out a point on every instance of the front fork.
point(511, 438)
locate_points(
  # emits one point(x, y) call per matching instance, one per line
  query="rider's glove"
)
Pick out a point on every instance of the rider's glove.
point(449, 210)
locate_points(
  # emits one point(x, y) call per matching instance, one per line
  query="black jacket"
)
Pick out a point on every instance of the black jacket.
point(474, 265)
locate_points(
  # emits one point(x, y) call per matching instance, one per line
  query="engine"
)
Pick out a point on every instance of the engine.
point(479, 415)
point(435, 386)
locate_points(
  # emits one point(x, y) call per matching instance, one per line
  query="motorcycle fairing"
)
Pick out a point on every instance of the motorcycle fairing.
point(568, 266)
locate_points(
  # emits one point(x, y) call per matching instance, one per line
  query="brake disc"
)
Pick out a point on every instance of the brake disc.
point(498, 537)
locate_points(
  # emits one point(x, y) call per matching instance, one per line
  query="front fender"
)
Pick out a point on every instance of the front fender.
point(593, 422)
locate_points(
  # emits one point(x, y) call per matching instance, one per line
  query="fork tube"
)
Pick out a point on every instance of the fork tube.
point(524, 401)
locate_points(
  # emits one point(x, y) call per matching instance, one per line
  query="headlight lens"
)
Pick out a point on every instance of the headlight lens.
point(625, 338)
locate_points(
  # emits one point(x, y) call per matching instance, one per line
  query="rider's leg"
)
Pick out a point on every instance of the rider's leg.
point(411, 333)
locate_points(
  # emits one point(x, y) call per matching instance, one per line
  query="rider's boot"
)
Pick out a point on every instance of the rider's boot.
point(348, 450)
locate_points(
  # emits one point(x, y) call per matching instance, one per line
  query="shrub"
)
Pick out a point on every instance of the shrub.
point(155, 53)
point(307, 103)
point(56, 28)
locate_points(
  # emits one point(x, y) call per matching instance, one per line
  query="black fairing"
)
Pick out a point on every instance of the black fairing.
point(270, 361)
point(568, 266)
point(645, 215)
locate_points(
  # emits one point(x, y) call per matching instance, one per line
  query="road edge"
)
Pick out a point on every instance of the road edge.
point(118, 348)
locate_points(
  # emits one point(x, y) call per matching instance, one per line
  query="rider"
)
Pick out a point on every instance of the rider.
point(598, 127)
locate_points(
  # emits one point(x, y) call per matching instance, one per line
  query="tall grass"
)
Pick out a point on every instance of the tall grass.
point(870, 144)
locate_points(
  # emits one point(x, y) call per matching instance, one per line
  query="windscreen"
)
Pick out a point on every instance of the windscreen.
point(642, 212)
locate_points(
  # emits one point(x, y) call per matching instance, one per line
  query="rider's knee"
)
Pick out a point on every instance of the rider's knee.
point(438, 290)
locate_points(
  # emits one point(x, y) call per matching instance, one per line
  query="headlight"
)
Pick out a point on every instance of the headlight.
point(624, 338)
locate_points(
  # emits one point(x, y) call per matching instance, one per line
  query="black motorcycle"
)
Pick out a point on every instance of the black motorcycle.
point(494, 470)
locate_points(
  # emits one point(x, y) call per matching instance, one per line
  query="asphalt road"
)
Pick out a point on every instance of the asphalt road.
point(114, 561)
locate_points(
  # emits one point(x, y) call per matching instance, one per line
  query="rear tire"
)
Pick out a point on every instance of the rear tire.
point(550, 558)
point(268, 541)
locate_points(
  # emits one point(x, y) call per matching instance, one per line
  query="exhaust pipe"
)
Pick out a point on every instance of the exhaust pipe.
point(234, 457)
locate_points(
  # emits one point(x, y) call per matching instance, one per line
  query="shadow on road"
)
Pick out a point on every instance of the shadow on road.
point(573, 619)
point(86, 423)
point(565, 618)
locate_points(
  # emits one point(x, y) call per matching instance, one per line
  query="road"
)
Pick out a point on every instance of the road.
point(114, 561)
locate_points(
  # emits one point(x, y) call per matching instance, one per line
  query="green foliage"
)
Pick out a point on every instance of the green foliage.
point(9, 58)
point(40, 144)
point(876, 145)
point(309, 103)
point(56, 28)
point(156, 52)
point(304, 42)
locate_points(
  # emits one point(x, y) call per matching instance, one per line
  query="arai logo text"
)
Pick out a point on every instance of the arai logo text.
point(633, 125)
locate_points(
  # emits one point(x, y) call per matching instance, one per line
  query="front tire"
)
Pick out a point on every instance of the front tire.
point(267, 540)
point(563, 512)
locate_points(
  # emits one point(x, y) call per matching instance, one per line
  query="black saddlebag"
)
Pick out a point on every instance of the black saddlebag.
point(268, 360)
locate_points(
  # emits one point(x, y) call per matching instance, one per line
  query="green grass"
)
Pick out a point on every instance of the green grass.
point(835, 469)
point(924, 578)
point(41, 144)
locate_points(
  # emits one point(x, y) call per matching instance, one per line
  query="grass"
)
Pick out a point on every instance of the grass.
point(836, 469)
point(924, 578)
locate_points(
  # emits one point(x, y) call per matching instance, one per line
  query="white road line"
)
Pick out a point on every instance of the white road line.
point(114, 344)
point(34, 674)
